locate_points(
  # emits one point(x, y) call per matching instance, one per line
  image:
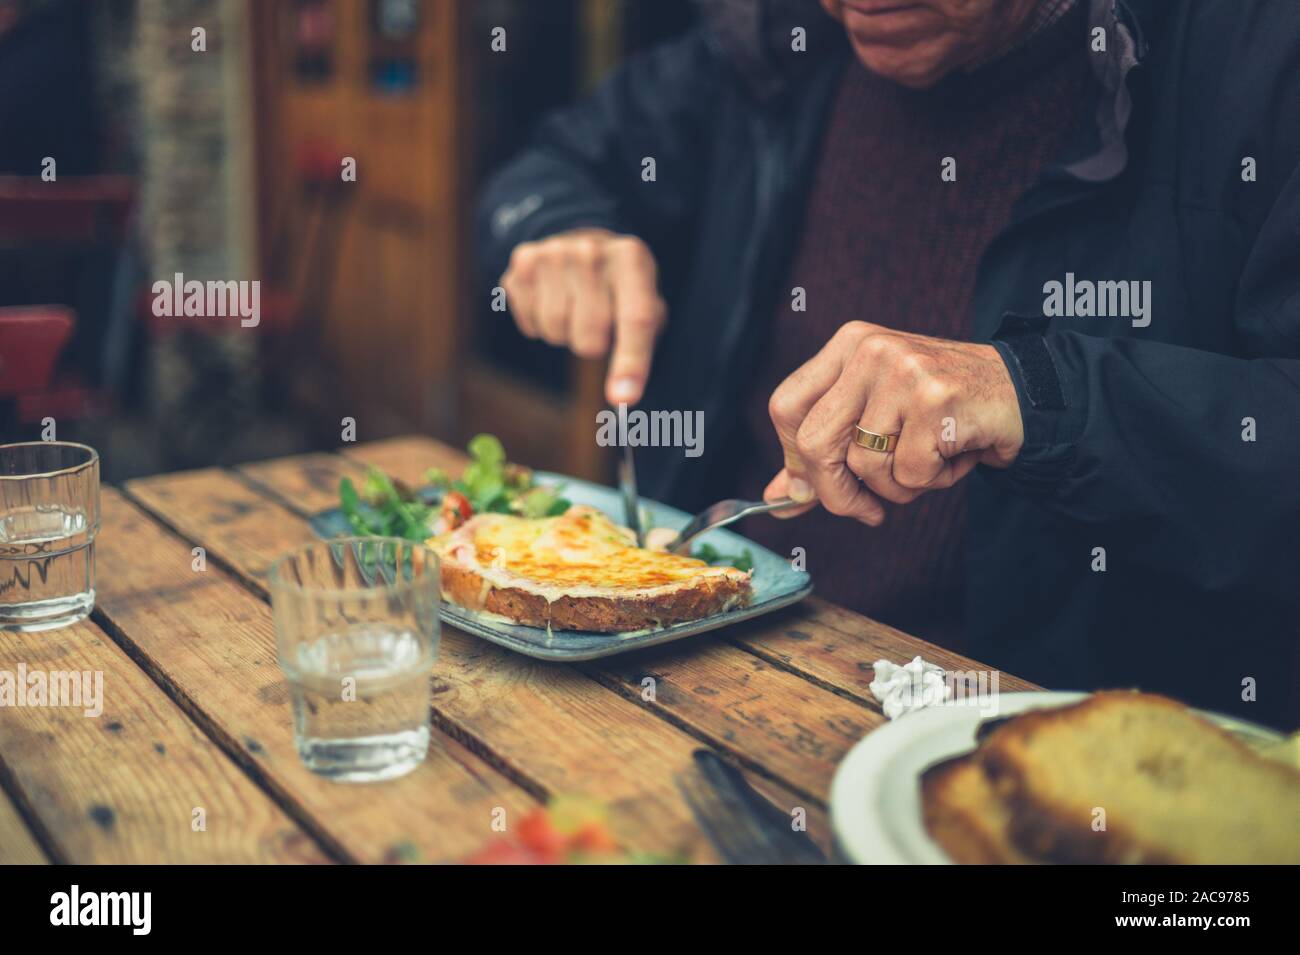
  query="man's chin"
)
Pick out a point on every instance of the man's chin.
point(901, 67)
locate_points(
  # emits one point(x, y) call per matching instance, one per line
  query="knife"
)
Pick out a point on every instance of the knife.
point(744, 827)
point(631, 503)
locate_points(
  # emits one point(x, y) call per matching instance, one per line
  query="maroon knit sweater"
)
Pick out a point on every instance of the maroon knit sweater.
point(885, 240)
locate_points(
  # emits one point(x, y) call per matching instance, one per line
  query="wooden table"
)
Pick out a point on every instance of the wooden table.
point(193, 759)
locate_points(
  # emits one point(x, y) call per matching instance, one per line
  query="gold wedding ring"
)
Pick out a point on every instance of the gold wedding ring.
point(884, 443)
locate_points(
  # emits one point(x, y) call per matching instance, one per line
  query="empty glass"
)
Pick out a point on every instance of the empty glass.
point(356, 629)
point(49, 516)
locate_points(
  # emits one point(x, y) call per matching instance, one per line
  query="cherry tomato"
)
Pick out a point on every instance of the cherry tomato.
point(538, 833)
point(593, 837)
point(456, 509)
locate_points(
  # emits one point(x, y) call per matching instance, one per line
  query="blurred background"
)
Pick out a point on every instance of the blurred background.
point(225, 164)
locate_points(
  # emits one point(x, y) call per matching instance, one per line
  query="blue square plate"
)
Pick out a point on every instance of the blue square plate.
point(776, 584)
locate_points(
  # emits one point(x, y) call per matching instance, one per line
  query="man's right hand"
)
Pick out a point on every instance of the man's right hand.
point(585, 290)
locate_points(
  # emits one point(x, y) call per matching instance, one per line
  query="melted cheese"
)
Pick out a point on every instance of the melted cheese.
point(580, 553)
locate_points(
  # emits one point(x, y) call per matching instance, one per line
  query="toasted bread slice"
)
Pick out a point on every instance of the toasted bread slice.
point(578, 571)
point(964, 815)
point(1174, 788)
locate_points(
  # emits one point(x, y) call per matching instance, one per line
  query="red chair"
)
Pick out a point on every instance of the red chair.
point(68, 213)
point(74, 210)
point(31, 338)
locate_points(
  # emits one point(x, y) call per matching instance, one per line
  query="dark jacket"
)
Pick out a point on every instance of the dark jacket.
point(1136, 437)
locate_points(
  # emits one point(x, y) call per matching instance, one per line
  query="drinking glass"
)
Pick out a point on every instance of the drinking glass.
point(357, 631)
point(49, 516)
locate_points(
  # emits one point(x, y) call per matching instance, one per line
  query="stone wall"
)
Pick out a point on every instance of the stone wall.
point(196, 204)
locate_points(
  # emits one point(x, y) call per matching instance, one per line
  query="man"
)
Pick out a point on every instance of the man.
point(1022, 274)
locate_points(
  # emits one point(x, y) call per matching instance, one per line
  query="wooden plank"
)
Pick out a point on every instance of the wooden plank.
point(305, 483)
point(18, 846)
point(595, 742)
point(125, 786)
point(767, 718)
point(407, 457)
point(550, 725)
point(838, 648)
point(309, 483)
point(239, 522)
point(211, 642)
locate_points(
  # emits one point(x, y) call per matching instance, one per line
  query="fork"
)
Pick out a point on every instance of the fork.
point(720, 515)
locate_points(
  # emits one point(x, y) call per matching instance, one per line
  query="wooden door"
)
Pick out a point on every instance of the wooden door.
point(380, 262)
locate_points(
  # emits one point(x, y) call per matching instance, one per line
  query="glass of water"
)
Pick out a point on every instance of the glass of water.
point(49, 516)
point(357, 631)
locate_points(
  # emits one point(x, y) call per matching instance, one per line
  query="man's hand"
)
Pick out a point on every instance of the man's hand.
point(585, 289)
point(953, 405)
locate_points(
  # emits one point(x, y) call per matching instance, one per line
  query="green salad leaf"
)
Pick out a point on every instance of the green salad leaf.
point(493, 485)
point(351, 505)
point(486, 449)
point(542, 502)
point(385, 511)
point(489, 482)
point(712, 556)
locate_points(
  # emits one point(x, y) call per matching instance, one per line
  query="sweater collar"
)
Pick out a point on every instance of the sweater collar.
point(1125, 47)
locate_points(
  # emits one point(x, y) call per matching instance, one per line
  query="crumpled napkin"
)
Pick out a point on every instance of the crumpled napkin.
point(910, 687)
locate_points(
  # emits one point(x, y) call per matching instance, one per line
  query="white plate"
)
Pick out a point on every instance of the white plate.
point(876, 792)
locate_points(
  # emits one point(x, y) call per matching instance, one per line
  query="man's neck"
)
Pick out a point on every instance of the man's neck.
point(1043, 16)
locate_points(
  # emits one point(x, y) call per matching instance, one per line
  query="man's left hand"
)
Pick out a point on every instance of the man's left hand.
point(952, 404)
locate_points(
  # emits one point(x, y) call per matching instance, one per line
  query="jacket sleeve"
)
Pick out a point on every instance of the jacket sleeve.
point(1192, 457)
point(585, 165)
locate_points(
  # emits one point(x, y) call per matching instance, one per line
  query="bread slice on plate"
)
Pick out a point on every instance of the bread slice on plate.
point(578, 571)
point(964, 815)
point(1136, 778)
